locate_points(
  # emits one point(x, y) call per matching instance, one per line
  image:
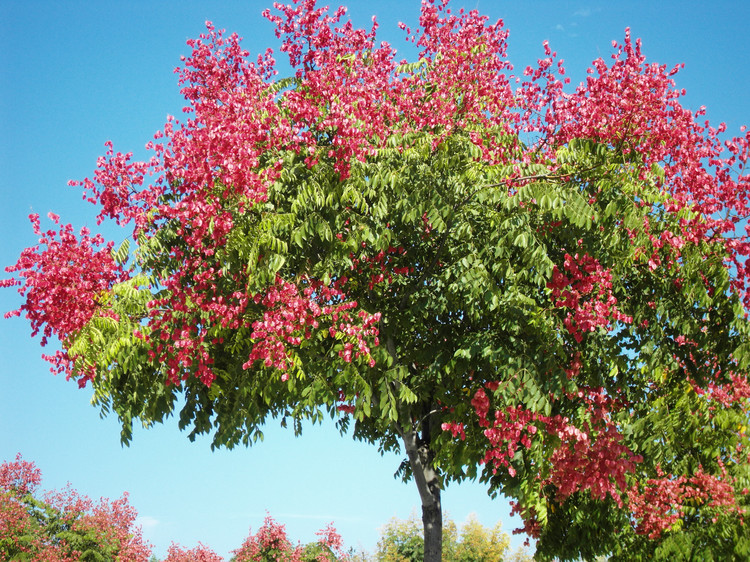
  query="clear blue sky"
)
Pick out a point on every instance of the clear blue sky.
point(74, 74)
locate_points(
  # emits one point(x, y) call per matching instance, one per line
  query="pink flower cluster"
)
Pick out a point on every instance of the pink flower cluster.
point(181, 334)
point(118, 187)
point(290, 317)
point(628, 104)
point(725, 395)
point(182, 324)
point(633, 106)
point(456, 429)
point(344, 84)
point(586, 289)
point(382, 265)
point(62, 280)
point(199, 553)
point(466, 71)
point(236, 122)
point(592, 458)
point(588, 458)
point(19, 477)
point(658, 503)
point(344, 404)
point(512, 426)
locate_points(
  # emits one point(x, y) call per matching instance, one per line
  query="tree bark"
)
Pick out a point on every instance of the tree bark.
point(428, 484)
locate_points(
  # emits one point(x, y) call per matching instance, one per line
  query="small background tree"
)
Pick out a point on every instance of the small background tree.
point(403, 541)
point(63, 526)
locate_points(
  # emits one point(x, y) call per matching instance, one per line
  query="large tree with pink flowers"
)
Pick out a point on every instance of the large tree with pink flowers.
point(502, 277)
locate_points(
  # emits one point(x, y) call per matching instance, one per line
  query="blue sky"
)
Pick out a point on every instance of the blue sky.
point(75, 74)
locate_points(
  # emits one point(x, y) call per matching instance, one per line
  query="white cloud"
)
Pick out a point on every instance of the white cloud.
point(316, 517)
point(147, 522)
point(283, 516)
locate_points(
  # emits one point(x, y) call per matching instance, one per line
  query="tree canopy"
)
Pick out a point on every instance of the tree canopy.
point(542, 288)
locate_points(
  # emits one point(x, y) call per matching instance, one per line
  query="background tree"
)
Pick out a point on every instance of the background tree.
point(200, 553)
point(479, 543)
point(403, 541)
point(270, 542)
point(545, 289)
point(63, 526)
point(521, 554)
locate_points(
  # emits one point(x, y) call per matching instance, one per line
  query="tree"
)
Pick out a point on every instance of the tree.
point(478, 543)
point(271, 543)
point(63, 526)
point(521, 554)
point(200, 553)
point(543, 289)
point(402, 541)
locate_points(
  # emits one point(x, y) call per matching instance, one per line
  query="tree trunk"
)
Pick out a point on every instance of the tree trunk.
point(428, 484)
